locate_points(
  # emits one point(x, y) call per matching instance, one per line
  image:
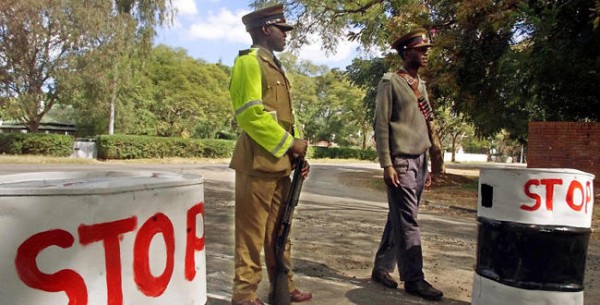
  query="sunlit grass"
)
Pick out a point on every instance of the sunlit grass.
point(30, 159)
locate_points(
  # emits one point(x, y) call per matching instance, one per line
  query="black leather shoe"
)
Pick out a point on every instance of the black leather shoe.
point(423, 289)
point(382, 277)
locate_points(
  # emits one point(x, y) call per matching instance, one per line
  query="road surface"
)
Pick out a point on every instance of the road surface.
point(336, 230)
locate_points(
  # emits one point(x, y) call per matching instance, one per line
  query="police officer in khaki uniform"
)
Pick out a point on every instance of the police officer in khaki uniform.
point(264, 153)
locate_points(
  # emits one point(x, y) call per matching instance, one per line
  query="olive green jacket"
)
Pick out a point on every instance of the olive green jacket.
point(400, 127)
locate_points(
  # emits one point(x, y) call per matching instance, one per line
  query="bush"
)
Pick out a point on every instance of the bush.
point(119, 147)
point(145, 147)
point(54, 145)
point(342, 153)
point(214, 148)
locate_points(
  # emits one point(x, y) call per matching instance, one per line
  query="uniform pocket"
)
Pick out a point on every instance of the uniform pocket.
point(264, 161)
point(406, 175)
point(401, 165)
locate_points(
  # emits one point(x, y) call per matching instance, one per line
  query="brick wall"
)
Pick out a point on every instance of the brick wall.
point(565, 145)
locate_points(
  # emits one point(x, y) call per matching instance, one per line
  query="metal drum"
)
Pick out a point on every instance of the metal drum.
point(533, 234)
point(102, 238)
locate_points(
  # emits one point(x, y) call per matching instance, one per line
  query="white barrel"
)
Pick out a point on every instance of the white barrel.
point(102, 238)
point(533, 233)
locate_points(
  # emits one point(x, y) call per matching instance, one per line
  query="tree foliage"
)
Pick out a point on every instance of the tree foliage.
point(172, 94)
point(366, 74)
point(500, 63)
point(328, 106)
point(36, 40)
point(45, 45)
point(189, 96)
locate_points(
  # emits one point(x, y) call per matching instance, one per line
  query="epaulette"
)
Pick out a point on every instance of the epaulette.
point(387, 76)
point(264, 57)
point(245, 52)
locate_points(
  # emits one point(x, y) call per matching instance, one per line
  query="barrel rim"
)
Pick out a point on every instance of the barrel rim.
point(15, 185)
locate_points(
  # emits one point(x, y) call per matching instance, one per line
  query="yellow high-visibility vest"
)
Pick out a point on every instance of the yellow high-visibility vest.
point(261, 101)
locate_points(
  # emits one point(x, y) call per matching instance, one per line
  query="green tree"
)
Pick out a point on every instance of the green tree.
point(37, 37)
point(452, 129)
point(563, 60)
point(510, 62)
point(339, 115)
point(120, 47)
point(503, 63)
point(326, 104)
point(189, 96)
point(303, 91)
point(365, 22)
point(45, 45)
point(366, 74)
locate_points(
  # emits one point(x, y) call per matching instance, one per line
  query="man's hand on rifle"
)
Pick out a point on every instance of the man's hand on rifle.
point(305, 169)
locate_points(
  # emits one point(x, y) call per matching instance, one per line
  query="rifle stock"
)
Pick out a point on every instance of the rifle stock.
point(280, 293)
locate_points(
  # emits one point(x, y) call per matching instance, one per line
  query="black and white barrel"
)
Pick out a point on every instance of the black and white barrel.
point(534, 229)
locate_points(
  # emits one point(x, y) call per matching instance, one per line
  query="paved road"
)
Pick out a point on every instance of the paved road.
point(336, 231)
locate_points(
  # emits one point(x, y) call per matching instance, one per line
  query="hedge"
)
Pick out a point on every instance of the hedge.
point(54, 145)
point(342, 153)
point(120, 147)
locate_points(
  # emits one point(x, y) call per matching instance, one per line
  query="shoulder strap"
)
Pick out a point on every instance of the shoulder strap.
point(409, 79)
point(423, 104)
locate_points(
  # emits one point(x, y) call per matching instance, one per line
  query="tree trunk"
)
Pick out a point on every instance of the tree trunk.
point(436, 152)
point(365, 128)
point(113, 100)
point(454, 146)
point(34, 124)
point(111, 119)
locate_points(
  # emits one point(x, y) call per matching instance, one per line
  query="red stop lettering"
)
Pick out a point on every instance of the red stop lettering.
point(110, 233)
point(575, 186)
point(589, 194)
point(534, 196)
point(67, 280)
point(146, 282)
point(194, 243)
point(549, 184)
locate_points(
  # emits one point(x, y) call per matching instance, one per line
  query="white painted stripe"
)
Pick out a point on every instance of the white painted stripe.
point(561, 197)
point(488, 292)
point(219, 297)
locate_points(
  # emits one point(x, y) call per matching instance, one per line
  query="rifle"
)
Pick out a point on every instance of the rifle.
point(280, 292)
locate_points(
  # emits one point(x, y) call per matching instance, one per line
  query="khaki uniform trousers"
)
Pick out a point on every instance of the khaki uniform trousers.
point(257, 203)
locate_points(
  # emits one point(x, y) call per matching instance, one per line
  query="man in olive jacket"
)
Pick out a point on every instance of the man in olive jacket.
point(264, 153)
point(402, 139)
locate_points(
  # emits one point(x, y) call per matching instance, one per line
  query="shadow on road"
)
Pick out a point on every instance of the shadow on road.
point(213, 301)
point(332, 287)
